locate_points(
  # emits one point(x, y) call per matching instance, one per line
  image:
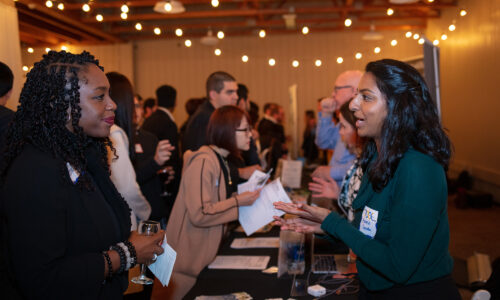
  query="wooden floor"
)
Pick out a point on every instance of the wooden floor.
point(473, 230)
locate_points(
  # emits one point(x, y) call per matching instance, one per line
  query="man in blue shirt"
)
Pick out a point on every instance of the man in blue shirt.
point(327, 132)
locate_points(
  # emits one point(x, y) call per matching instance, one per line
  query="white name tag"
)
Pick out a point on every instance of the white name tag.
point(368, 224)
point(138, 148)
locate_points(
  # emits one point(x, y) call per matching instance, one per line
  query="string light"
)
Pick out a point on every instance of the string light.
point(421, 41)
point(60, 6)
point(272, 62)
point(124, 8)
point(124, 16)
point(157, 31)
point(318, 63)
point(188, 43)
point(220, 35)
point(99, 18)
point(178, 32)
point(30, 50)
point(394, 43)
point(49, 4)
point(340, 60)
point(86, 7)
point(215, 3)
point(168, 7)
point(138, 26)
point(217, 52)
point(390, 11)
point(295, 63)
point(305, 30)
point(430, 1)
point(463, 12)
point(444, 37)
point(25, 68)
point(347, 22)
point(358, 55)
point(376, 50)
point(416, 36)
point(64, 48)
point(452, 27)
point(244, 58)
point(47, 50)
point(435, 43)
point(408, 34)
point(262, 33)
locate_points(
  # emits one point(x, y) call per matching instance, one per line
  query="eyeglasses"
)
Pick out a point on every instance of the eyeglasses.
point(247, 130)
point(337, 88)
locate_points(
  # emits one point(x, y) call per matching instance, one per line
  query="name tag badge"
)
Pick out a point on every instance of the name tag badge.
point(368, 224)
point(138, 148)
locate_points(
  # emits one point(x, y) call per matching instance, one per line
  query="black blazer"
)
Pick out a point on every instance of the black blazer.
point(54, 232)
point(196, 128)
point(6, 116)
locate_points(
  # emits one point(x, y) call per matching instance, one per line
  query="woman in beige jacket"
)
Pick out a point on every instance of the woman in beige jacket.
point(203, 205)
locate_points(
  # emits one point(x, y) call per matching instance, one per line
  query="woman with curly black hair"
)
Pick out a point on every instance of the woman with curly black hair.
point(400, 233)
point(65, 228)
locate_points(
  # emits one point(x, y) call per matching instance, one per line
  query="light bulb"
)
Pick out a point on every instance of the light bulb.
point(376, 50)
point(178, 32)
point(188, 43)
point(421, 41)
point(347, 22)
point(157, 31)
point(49, 4)
point(60, 6)
point(168, 6)
point(435, 43)
point(64, 48)
point(262, 33)
point(452, 27)
point(463, 12)
point(390, 11)
point(340, 60)
point(47, 50)
point(99, 18)
point(218, 52)
point(220, 35)
point(25, 68)
point(86, 7)
point(444, 37)
point(215, 3)
point(358, 55)
point(244, 58)
point(138, 26)
point(416, 36)
point(295, 63)
point(408, 34)
point(318, 63)
point(394, 43)
point(30, 50)
point(124, 8)
point(305, 30)
point(272, 62)
point(124, 16)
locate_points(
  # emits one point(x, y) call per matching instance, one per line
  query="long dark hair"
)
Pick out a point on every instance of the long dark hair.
point(50, 91)
point(221, 130)
point(122, 93)
point(412, 121)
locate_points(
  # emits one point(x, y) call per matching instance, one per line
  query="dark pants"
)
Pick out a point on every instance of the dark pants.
point(443, 288)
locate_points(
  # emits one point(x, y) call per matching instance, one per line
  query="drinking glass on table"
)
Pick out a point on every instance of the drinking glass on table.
point(146, 228)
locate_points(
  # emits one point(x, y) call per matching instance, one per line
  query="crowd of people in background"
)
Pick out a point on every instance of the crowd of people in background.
point(101, 159)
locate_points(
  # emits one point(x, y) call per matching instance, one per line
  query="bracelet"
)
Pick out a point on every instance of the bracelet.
point(127, 255)
point(108, 261)
point(133, 254)
point(123, 258)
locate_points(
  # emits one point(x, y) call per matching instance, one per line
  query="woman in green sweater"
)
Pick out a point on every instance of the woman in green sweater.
point(400, 232)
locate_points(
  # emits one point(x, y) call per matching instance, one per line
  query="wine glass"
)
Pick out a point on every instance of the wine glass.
point(146, 228)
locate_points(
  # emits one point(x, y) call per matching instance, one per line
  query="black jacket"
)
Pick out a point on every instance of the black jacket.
point(54, 232)
point(196, 129)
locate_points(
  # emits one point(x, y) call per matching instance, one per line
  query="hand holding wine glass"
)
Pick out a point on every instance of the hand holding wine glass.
point(147, 246)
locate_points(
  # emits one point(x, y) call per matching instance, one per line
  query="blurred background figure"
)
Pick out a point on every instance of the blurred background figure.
point(149, 106)
point(311, 151)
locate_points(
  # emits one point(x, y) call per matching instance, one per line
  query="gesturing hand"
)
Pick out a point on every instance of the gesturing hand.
point(163, 152)
point(313, 213)
point(322, 172)
point(324, 188)
point(298, 225)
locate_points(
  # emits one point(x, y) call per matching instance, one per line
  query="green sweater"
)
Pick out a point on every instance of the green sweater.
point(408, 221)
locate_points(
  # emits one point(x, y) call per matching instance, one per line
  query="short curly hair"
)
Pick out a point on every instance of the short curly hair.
point(51, 90)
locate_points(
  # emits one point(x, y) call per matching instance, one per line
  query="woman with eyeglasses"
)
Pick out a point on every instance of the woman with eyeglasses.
point(400, 232)
point(207, 200)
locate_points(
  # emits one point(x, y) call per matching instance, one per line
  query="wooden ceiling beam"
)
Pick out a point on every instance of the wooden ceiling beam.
point(72, 22)
point(36, 29)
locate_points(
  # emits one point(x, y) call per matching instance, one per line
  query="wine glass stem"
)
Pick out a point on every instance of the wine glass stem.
point(143, 270)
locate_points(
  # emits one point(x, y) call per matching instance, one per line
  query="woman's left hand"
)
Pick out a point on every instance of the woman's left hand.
point(324, 188)
point(298, 225)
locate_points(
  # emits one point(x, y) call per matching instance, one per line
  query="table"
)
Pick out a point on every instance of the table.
point(259, 285)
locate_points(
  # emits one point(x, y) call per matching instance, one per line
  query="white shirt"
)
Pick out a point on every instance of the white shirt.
point(167, 112)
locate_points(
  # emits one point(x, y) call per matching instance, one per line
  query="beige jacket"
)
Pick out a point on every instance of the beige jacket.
point(197, 221)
